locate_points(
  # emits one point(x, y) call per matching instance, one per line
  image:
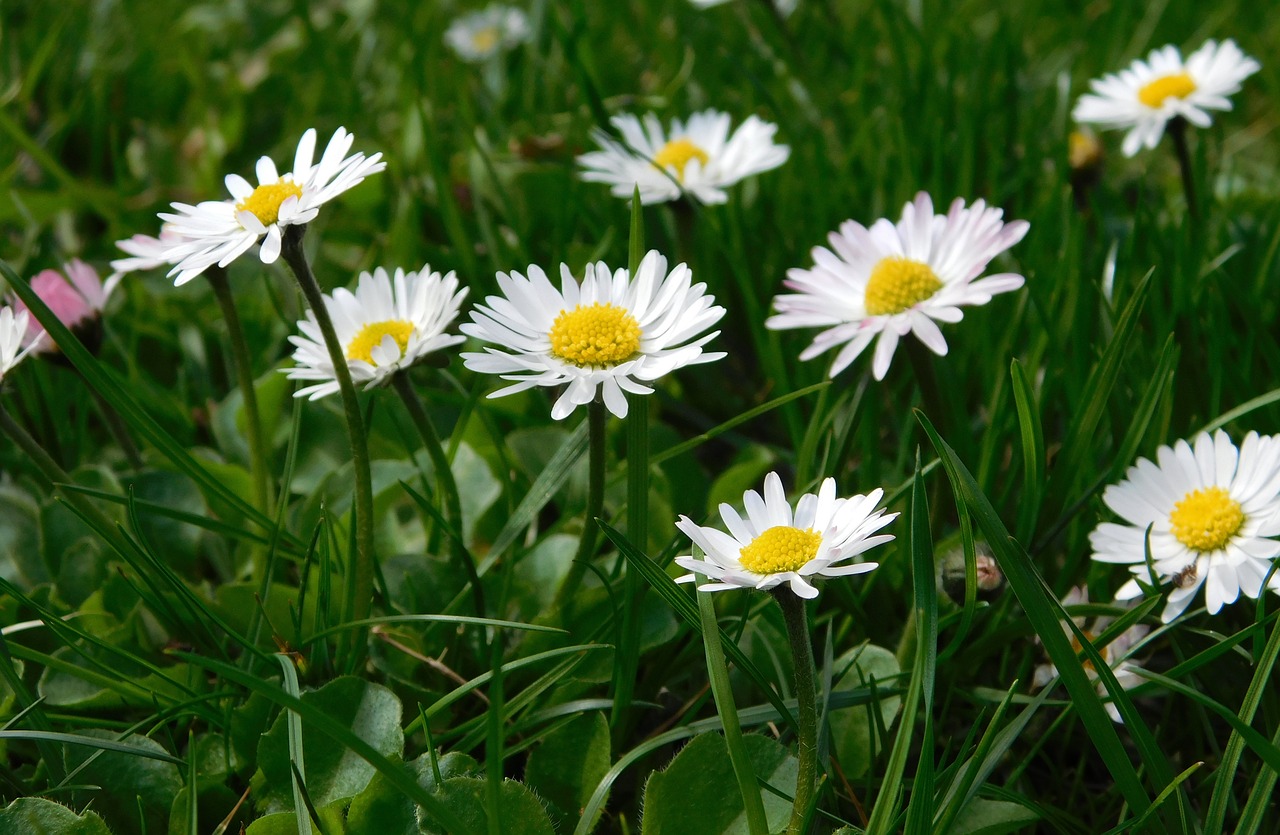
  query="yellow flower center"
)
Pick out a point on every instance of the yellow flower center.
point(266, 199)
point(1205, 520)
point(896, 284)
point(485, 40)
point(780, 549)
point(1077, 648)
point(371, 336)
point(1179, 86)
point(678, 152)
point(600, 335)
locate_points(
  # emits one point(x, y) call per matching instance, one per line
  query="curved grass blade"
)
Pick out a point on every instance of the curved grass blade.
point(293, 723)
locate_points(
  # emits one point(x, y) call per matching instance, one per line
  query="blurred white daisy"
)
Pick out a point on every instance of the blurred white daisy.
point(895, 279)
point(76, 296)
point(1212, 511)
point(13, 333)
point(1143, 98)
point(219, 231)
point(479, 36)
point(786, 7)
point(388, 323)
point(146, 252)
point(611, 333)
point(1115, 653)
point(698, 157)
point(772, 546)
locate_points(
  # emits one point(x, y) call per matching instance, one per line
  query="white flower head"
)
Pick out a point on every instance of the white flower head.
point(895, 279)
point(1143, 98)
point(482, 35)
point(786, 7)
point(610, 333)
point(772, 545)
point(145, 252)
point(698, 158)
point(219, 231)
point(388, 324)
point(1116, 653)
point(13, 333)
point(1213, 511)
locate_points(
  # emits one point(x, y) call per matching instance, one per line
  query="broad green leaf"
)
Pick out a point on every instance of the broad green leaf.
point(136, 791)
point(854, 729)
point(522, 812)
point(381, 809)
point(993, 817)
point(37, 816)
point(176, 541)
point(568, 764)
point(284, 823)
point(20, 539)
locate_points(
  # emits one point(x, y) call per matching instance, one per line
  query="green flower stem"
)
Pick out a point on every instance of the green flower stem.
point(627, 660)
point(117, 428)
point(359, 585)
point(258, 453)
point(797, 622)
point(446, 487)
point(1177, 131)
point(595, 503)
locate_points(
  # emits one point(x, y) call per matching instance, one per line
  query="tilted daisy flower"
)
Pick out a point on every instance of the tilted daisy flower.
point(1143, 98)
point(1115, 653)
point(14, 346)
point(479, 36)
point(76, 296)
point(610, 333)
point(1212, 511)
point(145, 252)
point(388, 324)
point(772, 545)
point(698, 158)
point(219, 231)
point(895, 279)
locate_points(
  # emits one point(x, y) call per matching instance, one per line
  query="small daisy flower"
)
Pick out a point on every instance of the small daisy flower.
point(772, 545)
point(219, 231)
point(610, 333)
point(145, 252)
point(479, 36)
point(698, 158)
point(76, 297)
point(1213, 511)
point(1115, 653)
point(387, 324)
point(1143, 98)
point(14, 345)
point(895, 279)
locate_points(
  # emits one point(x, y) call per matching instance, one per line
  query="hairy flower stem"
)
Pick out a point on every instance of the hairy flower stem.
point(446, 487)
point(359, 585)
point(1177, 131)
point(797, 622)
point(595, 503)
point(259, 459)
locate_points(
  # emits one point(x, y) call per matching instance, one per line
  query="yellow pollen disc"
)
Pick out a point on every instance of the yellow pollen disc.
point(1178, 85)
point(896, 284)
point(1205, 520)
point(371, 335)
point(780, 549)
point(597, 335)
point(1077, 648)
point(486, 39)
point(678, 152)
point(266, 199)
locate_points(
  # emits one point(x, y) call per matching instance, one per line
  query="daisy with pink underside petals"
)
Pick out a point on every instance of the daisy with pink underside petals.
point(895, 279)
point(1213, 512)
point(145, 252)
point(219, 231)
point(76, 296)
point(772, 545)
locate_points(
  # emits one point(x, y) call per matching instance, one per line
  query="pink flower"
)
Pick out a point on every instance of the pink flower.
point(76, 298)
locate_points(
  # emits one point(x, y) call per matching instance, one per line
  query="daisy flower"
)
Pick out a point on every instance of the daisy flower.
point(772, 545)
point(479, 36)
point(895, 279)
point(146, 252)
point(786, 7)
point(219, 231)
point(1212, 511)
point(1143, 98)
point(14, 346)
point(1114, 653)
point(76, 296)
point(698, 157)
point(387, 324)
point(610, 333)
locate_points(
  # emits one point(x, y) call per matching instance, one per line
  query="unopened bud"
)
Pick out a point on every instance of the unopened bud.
point(989, 577)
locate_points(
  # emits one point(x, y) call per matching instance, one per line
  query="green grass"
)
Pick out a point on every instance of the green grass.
point(1137, 326)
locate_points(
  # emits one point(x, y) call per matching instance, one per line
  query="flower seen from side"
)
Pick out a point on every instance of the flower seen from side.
point(14, 345)
point(772, 545)
point(479, 36)
point(1143, 98)
point(145, 252)
point(608, 334)
point(219, 231)
point(698, 157)
point(1115, 653)
point(1213, 511)
point(891, 280)
point(389, 323)
point(76, 296)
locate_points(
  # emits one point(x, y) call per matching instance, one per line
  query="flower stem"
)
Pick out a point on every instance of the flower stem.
point(359, 585)
point(627, 660)
point(446, 487)
point(1178, 133)
point(797, 622)
point(258, 453)
point(117, 428)
point(595, 502)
